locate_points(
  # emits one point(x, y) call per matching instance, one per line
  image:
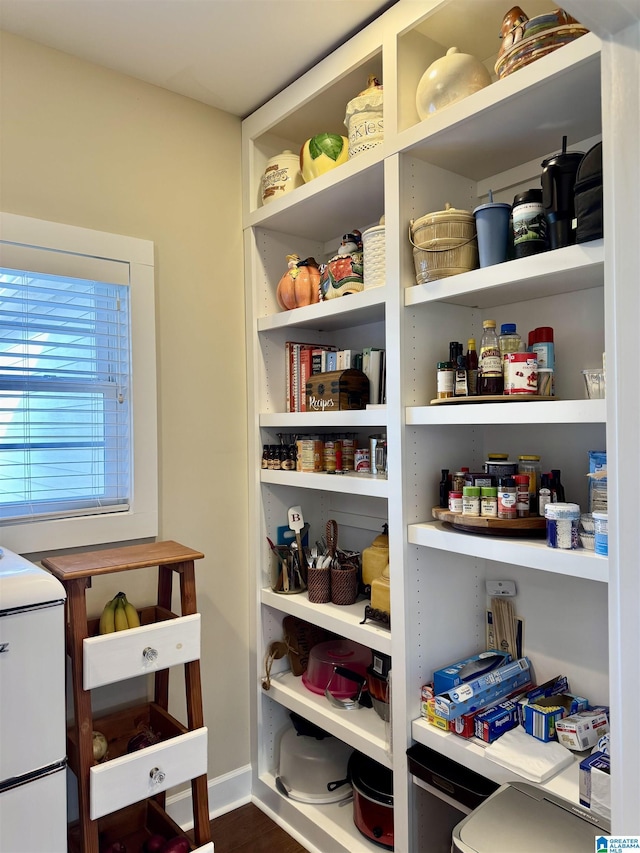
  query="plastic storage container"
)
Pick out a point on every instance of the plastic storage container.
point(601, 523)
point(563, 521)
point(324, 657)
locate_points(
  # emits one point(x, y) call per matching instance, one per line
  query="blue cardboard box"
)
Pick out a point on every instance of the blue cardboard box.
point(465, 670)
point(474, 695)
point(492, 723)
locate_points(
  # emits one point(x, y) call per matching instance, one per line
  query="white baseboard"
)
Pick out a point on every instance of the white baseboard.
point(226, 793)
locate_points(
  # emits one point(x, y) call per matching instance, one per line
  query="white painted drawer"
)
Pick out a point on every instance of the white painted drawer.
point(131, 778)
point(207, 848)
point(139, 651)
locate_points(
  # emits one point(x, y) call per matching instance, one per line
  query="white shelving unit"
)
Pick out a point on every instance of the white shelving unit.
point(572, 603)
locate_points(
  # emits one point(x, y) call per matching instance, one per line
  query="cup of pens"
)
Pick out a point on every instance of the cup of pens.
point(287, 576)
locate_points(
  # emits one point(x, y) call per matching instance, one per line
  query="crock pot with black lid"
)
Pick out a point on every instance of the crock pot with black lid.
point(372, 799)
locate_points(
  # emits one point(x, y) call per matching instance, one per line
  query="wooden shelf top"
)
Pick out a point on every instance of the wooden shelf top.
point(102, 562)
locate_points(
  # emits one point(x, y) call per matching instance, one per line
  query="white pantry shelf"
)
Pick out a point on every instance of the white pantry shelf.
point(564, 270)
point(349, 484)
point(365, 307)
point(346, 420)
point(343, 620)
point(362, 729)
point(530, 553)
point(470, 753)
point(511, 412)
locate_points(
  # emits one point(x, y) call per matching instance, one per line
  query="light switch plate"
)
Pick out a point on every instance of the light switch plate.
point(498, 588)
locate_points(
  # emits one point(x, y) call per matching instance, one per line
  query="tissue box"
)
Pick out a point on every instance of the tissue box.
point(595, 783)
point(582, 730)
point(450, 676)
point(496, 721)
point(476, 694)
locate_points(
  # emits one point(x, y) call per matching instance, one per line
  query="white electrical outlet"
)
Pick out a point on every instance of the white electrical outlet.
point(497, 588)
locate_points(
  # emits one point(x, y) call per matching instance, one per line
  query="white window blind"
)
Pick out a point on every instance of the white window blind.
point(64, 393)
point(78, 406)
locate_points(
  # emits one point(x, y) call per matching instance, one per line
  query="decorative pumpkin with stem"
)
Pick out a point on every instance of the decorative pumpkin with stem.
point(300, 284)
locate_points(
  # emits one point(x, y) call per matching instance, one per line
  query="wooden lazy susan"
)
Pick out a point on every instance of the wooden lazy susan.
point(532, 526)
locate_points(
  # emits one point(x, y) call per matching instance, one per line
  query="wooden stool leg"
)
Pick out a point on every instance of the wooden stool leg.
point(77, 610)
point(193, 685)
point(165, 581)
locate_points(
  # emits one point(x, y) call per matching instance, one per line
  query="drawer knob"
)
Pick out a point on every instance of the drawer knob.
point(150, 654)
point(157, 776)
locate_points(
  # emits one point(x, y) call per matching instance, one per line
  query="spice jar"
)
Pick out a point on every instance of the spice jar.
point(445, 378)
point(522, 495)
point(563, 520)
point(455, 501)
point(488, 501)
point(601, 521)
point(471, 500)
point(507, 498)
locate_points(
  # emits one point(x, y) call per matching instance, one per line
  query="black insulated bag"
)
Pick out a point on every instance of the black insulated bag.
point(588, 196)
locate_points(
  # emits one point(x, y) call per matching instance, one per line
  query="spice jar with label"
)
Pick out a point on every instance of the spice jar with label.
point(507, 498)
point(471, 500)
point(455, 501)
point(522, 495)
point(489, 501)
point(445, 378)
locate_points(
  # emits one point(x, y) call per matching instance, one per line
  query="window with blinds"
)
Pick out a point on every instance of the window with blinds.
point(64, 396)
point(78, 407)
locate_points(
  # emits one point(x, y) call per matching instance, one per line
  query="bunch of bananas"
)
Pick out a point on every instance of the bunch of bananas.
point(118, 615)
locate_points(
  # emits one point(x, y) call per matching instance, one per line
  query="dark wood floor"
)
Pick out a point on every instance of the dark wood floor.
point(249, 830)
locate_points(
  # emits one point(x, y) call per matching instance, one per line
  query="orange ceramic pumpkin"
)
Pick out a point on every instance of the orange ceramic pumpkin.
point(300, 284)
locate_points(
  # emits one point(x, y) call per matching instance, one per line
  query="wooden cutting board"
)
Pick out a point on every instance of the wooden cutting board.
point(532, 526)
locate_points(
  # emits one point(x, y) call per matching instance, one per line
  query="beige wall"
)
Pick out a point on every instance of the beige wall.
point(86, 146)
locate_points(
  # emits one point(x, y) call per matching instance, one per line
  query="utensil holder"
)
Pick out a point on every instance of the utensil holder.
point(286, 577)
point(319, 585)
point(344, 586)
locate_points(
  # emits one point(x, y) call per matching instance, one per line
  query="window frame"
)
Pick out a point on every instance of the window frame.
point(140, 521)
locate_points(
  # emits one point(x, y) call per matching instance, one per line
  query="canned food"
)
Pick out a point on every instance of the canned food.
point(520, 373)
point(362, 461)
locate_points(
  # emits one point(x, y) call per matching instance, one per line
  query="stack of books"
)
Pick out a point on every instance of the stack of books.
point(303, 360)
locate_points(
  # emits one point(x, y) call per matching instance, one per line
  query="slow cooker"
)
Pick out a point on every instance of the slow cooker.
point(372, 799)
point(313, 769)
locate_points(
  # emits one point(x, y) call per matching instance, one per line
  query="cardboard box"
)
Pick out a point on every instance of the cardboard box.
point(540, 721)
point(553, 692)
point(492, 723)
point(595, 783)
point(477, 694)
point(465, 725)
point(466, 670)
point(432, 718)
point(582, 730)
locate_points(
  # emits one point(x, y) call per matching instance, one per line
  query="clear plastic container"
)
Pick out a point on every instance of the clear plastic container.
point(563, 521)
point(601, 522)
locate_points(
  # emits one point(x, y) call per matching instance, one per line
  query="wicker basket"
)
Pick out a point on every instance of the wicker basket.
point(344, 586)
point(373, 242)
point(319, 584)
point(444, 244)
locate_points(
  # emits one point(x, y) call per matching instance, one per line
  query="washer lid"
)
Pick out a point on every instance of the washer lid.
point(23, 584)
point(528, 819)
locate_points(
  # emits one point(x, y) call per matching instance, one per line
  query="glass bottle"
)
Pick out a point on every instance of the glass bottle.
point(490, 378)
point(461, 381)
point(445, 377)
point(544, 495)
point(472, 367)
point(444, 488)
point(265, 456)
point(559, 488)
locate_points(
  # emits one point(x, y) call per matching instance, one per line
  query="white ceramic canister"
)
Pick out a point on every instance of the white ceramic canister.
point(282, 175)
point(363, 119)
point(449, 79)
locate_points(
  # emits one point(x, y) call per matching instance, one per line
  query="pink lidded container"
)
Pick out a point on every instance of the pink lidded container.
point(324, 657)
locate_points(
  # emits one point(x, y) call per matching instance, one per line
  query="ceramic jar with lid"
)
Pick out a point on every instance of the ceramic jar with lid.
point(449, 79)
point(281, 175)
point(363, 119)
